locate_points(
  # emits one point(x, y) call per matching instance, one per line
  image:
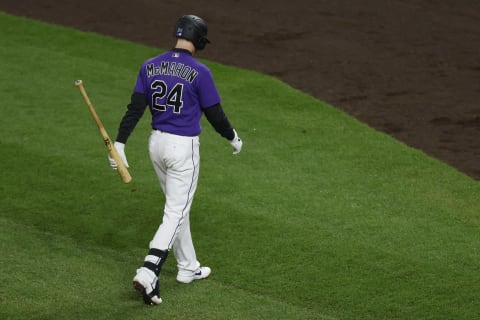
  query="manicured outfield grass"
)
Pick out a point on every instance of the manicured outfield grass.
point(319, 217)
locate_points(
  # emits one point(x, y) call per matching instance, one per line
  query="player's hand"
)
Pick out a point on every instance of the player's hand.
point(236, 143)
point(120, 147)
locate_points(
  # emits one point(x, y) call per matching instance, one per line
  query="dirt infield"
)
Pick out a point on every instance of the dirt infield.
point(410, 68)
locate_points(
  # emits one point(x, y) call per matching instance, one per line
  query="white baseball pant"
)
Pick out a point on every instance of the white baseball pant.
point(176, 160)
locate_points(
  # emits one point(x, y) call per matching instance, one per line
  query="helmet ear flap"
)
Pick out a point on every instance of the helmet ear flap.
point(201, 43)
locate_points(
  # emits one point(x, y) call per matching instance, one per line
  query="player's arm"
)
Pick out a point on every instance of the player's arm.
point(219, 121)
point(135, 110)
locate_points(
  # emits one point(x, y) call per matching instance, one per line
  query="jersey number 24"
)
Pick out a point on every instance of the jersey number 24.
point(163, 98)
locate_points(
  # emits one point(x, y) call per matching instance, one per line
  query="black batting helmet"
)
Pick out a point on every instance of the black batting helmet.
point(192, 28)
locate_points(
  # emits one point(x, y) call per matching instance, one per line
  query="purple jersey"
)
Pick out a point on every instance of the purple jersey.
point(177, 88)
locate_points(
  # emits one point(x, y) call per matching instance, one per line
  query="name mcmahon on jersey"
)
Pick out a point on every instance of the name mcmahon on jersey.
point(172, 69)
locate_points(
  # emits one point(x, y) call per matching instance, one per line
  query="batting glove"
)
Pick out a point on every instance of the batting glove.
point(236, 143)
point(120, 147)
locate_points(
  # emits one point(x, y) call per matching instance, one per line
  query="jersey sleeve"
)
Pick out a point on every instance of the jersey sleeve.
point(140, 83)
point(207, 91)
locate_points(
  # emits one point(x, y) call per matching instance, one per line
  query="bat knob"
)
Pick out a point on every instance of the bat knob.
point(78, 82)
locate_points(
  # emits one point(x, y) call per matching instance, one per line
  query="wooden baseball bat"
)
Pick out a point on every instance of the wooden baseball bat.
point(122, 170)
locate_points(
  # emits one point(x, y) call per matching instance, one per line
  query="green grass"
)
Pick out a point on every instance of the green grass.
point(319, 217)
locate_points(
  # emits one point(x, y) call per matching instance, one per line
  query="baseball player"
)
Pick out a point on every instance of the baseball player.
point(178, 89)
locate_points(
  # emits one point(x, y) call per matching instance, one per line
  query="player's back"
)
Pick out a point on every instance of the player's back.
point(177, 87)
